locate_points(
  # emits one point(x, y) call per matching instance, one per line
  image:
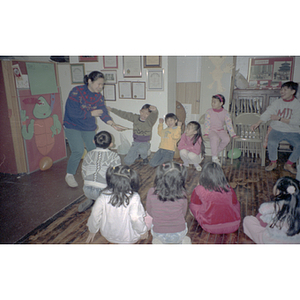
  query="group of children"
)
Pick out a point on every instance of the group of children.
point(119, 214)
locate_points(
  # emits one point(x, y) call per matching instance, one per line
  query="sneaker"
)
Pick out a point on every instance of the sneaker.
point(70, 180)
point(290, 168)
point(199, 168)
point(85, 205)
point(216, 160)
point(145, 161)
point(186, 240)
point(271, 166)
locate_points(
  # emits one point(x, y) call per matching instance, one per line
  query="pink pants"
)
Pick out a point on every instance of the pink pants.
point(218, 141)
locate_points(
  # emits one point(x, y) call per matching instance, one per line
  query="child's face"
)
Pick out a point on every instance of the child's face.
point(216, 103)
point(144, 114)
point(171, 122)
point(190, 130)
point(287, 93)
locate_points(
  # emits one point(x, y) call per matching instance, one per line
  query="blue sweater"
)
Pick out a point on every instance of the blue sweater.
point(80, 103)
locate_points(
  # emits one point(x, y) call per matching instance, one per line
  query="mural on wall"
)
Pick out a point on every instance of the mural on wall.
point(218, 72)
point(41, 129)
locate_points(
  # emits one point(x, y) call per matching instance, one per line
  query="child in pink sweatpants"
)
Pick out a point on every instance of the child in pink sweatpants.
point(215, 119)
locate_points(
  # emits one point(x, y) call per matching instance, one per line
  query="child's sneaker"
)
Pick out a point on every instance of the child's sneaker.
point(216, 160)
point(199, 168)
point(70, 180)
point(85, 205)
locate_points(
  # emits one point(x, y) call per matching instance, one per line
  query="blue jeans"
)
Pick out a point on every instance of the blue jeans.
point(161, 156)
point(91, 192)
point(135, 150)
point(77, 139)
point(275, 137)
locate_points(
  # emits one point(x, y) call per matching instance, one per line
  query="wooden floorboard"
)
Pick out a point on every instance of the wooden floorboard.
point(252, 184)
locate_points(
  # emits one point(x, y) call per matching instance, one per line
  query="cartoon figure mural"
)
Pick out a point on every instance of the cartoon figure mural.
point(43, 128)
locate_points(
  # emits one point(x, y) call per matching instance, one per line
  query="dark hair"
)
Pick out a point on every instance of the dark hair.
point(122, 182)
point(93, 76)
point(198, 134)
point(146, 106)
point(169, 181)
point(291, 85)
point(290, 210)
point(103, 139)
point(212, 178)
point(171, 116)
point(219, 97)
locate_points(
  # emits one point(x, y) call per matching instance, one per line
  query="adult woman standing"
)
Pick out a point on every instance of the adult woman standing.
point(83, 105)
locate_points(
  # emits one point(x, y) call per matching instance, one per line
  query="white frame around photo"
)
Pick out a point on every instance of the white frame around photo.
point(110, 62)
point(132, 66)
point(109, 92)
point(125, 90)
point(155, 80)
point(110, 77)
point(77, 73)
point(138, 90)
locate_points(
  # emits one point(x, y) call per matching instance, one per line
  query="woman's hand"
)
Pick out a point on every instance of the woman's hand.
point(254, 126)
point(97, 112)
point(90, 238)
point(108, 108)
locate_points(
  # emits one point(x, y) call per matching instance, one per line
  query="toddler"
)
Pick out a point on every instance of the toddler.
point(215, 119)
point(94, 167)
point(118, 212)
point(167, 204)
point(191, 147)
point(169, 138)
point(214, 203)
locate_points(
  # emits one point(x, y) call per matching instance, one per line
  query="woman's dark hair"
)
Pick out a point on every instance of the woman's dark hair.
point(291, 85)
point(172, 116)
point(103, 139)
point(290, 210)
point(198, 134)
point(169, 182)
point(122, 182)
point(93, 76)
point(212, 178)
point(220, 97)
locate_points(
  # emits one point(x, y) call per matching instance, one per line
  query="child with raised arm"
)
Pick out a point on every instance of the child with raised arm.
point(191, 146)
point(118, 212)
point(142, 131)
point(169, 138)
point(167, 204)
point(94, 167)
point(278, 221)
point(215, 119)
point(214, 203)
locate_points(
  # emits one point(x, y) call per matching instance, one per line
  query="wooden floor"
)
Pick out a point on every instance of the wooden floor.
point(252, 184)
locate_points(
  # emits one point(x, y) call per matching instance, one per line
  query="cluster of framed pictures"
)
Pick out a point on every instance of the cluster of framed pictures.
point(132, 68)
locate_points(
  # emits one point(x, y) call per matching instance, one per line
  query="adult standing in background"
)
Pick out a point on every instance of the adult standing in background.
point(84, 104)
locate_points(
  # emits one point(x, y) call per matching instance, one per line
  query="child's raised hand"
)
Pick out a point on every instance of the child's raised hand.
point(152, 108)
point(90, 238)
point(161, 120)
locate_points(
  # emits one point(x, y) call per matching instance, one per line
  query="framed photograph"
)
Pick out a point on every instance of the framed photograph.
point(88, 58)
point(109, 92)
point(110, 62)
point(110, 77)
point(132, 66)
point(155, 80)
point(152, 61)
point(77, 73)
point(270, 72)
point(125, 90)
point(138, 90)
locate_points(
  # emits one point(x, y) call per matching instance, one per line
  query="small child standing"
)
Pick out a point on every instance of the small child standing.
point(278, 221)
point(214, 203)
point(191, 146)
point(94, 167)
point(118, 212)
point(142, 131)
point(167, 204)
point(169, 138)
point(215, 119)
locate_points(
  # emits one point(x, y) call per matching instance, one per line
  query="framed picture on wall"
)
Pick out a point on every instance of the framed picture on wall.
point(109, 92)
point(270, 72)
point(110, 62)
point(152, 61)
point(155, 80)
point(132, 66)
point(139, 90)
point(110, 77)
point(125, 90)
point(77, 73)
point(88, 58)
